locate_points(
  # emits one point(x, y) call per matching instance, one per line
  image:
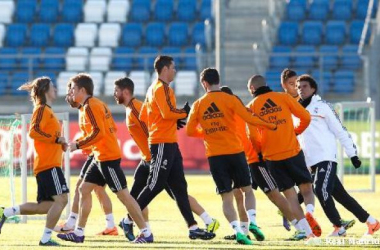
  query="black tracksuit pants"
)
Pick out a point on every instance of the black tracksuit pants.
point(328, 186)
point(166, 171)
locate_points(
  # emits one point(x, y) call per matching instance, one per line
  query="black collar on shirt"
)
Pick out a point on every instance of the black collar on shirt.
point(163, 81)
point(262, 90)
point(130, 102)
point(47, 105)
point(305, 102)
point(88, 98)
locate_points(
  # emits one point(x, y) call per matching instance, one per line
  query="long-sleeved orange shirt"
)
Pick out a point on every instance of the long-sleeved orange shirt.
point(215, 112)
point(44, 130)
point(159, 112)
point(278, 108)
point(99, 131)
point(82, 123)
point(250, 152)
point(138, 129)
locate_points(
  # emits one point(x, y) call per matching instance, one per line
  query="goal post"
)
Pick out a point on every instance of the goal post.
point(360, 121)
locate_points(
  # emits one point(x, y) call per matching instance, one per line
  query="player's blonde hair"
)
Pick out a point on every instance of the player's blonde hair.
point(37, 88)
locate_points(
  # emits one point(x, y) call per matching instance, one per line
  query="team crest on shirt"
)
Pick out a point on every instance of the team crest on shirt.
point(316, 110)
point(64, 188)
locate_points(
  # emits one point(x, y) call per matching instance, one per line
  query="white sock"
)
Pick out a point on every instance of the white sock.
point(310, 208)
point(11, 211)
point(193, 227)
point(72, 220)
point(305, 226)
point(127, 220)
point(47, 235)
point(147, 225)
point(244, 227)
point(110, 221)
point(296, 225)
point(79, 231)
point(371, 220)
point(236, 227)
point(252, 216)
point(146, 231)
point(206, 218)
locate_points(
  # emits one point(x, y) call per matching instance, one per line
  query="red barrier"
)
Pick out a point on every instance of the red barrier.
point(193, 151)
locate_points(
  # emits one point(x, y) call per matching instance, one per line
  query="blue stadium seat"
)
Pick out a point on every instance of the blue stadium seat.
point(350, 58)
point(155, 34)
point(342, 9)
point(319, 10)
point(18, 79)
point(186, 10)
point(4, 79)
point(304, 61)
point(40, 35)
point(132, 35)
point(178, 34)
point(335, 32)
point(312, 32)
point(206, 10)
point(49, 11)
point(54, 59)
point(189, 60)
point(323, 79)
point(30, 58)
point(362, 6)
point(63, 35)
point(173, 52)
point(72, 11)
point(288, 33)
point(121, 61)
point(356, 29)
point(272, 78)
point(302, 3)
point(279, 61)
point(9, 62)
point(16, 35)
point(25, 11)
point(344, 82)
point(329, 56)
point(140, 11)
point(163, 10)
point(50, 74)
point(198, 34)
point(146, 62)
point(296, 10)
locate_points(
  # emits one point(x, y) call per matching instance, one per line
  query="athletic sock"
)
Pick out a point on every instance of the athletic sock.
point(236, 227)
point(127, 220)
point(244, 227)
point(296, 225)
point(206, 218)
point(193, 227)
point(46, 235)
point(310, 208)
point(252, 216)
point(371, 220)
point(146, 231)
point(11, 211)
point(79, 231)
point(305, 226)
point(110, 221)
point(72, 220)
point(147, 225)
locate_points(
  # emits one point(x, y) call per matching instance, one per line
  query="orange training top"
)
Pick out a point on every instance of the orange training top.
point(138, 129)
point(82, 125)
point(45, 129)
point(215, 112)
point(241, 129)
point(99, 130)
point(278, 108)
point(160, 113)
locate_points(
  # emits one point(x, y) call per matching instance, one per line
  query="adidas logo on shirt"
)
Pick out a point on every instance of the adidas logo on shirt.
point(269, 107)
point(212, 112)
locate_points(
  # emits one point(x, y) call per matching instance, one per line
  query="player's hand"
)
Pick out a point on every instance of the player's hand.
point(73, 146)
point(64, 147)
point(260, 155)
point(180, 123)
point(186, 107)
point(61, 140)
point(356, 161)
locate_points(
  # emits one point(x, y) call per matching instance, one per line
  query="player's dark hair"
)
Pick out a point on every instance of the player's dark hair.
point(286, 74)
point(162, 61)
point(83, 80)
point(310, 80)
point(125, 83)
point(210, 75)
point(37, 88)
point(227, 90)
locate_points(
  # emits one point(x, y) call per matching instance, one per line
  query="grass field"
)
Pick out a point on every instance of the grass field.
point(170, 230)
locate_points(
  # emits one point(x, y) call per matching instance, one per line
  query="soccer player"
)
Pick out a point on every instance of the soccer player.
point(100, 192)
point(160, 114)
point(138, 130)
point(318, 142)
point(288, 82)
point(215, 113)
point(281, 149)
point(100, 135)
point(49, 145)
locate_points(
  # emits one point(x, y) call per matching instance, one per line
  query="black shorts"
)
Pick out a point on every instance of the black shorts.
point(229, 172)
point(106, 172)
point(85, 166)
point(290, 172)
point(50, 182)
point(262, 177)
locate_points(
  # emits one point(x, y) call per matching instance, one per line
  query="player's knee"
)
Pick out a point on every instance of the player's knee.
point(61, 199)
point(85, 189)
